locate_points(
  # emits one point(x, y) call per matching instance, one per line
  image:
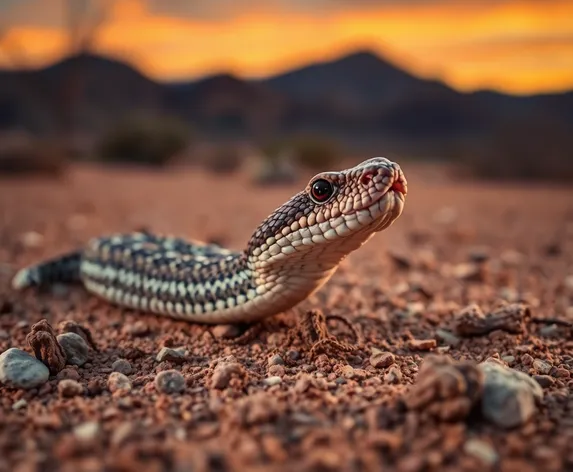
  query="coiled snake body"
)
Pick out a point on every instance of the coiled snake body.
point(292, 253)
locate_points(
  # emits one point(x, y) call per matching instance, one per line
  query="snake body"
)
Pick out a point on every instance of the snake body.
point(291, 254)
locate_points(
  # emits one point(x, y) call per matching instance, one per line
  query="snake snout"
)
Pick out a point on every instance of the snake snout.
point(382, 176)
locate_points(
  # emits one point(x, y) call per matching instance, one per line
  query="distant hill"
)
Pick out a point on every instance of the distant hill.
point(359, 93)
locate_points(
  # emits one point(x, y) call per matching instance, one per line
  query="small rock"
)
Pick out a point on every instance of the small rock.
point(481, 450)
point(169, 381)
point(19, 369)
point(550, 330)
point(380, 360)
point(32, 239)
point(139, 328)
point(87, 431)
point(170, 355)
point(561, 373)
point(470, 272)
point(122, 366)
point(347, 371)
point(544, 380)
point(541, 367)
point(276, 360)
point(447, 337)
point(226, 331)
point(76, 349)
point(422, 344)
point(277, 370)
point(508, 359)
point(69, 326)
point(223, 373)
point(118, 381)
point(526, 359)
point(68, 373)
point(393, 376)
point(293, 355)
point(270, 381)
point(415, 308)
point(509, 396)
point(70, 388)
point(18, 405)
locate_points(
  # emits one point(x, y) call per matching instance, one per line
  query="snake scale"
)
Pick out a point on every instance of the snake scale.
point(291, 254)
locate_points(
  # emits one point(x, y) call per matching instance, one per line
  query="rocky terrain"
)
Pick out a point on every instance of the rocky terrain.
point(445, 343)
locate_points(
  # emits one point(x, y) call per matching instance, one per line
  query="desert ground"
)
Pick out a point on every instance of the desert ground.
point(471, 272)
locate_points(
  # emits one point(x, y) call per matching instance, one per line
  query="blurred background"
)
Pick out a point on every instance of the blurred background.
point(276, 86)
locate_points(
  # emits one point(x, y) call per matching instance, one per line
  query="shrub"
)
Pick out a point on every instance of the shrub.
point(23, 154)
point(310, 151)
point(224, 159)
point(275, 169)
point(147, 140)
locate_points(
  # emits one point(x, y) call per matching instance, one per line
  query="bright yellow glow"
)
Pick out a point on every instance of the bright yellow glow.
point(519, 46)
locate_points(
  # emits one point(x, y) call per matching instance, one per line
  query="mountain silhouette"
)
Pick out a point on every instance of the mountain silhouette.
point(356, 93)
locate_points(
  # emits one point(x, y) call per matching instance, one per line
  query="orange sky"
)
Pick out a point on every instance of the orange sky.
point(519, 46)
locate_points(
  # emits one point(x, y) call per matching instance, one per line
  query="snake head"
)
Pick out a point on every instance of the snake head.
point(335, 214)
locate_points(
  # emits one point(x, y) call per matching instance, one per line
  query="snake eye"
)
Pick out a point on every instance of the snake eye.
point(321, 190)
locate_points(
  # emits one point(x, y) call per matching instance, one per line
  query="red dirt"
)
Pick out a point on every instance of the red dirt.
point(333, 410)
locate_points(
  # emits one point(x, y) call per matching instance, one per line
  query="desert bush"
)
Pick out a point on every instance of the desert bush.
point(532, 148)
point(224, 159)
point(310, 151)
point(24, 154)
point(147, 140)
point(276, 170)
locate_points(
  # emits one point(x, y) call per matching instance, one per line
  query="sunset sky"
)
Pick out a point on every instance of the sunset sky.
point(518, 46)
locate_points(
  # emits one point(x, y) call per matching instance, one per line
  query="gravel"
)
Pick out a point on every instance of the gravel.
point(391, 402)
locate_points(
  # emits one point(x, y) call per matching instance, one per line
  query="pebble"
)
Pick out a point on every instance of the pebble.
point(76, 349)
point(118, 381)
point(347, 371)
point(393, 376)
point(170, 355)
point(509, 396)
point(275, 370)
point(276, 360)
point(68, 373)
point(561, 373)
point(541, 367)
point(87, 431)
point(448, 337)
point(481, 450)
point(70, 388)
point(19, 369)
point(122, 366)
point(18, 405)
point(422, 344)
point(32, 239)
point(508, 359)
point(223, 372)
point(169, 381)
point(275, 380)
point(544, 380)
point(226, 331)
point(139, 328)
point(380, 359)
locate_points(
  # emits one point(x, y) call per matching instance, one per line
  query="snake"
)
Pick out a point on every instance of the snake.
point(290, 255)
